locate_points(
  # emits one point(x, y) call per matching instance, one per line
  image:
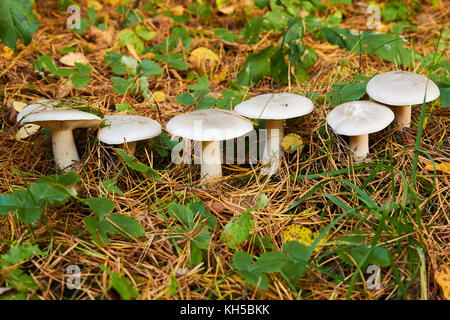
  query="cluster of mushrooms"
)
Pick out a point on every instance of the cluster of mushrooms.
point(357, 119)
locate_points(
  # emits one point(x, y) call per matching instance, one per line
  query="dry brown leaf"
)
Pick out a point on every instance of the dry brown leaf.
point(177, 10)
point(442, 277)
point(74, 57)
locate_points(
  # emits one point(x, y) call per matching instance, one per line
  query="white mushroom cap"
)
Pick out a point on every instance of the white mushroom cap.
point(209, 125)
point(128, 128)
point(359, 117)
point(401, 88)
point(38, 106)
point(275, 106)
point(44, 114)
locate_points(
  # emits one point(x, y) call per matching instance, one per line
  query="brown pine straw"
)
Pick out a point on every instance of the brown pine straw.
point(149, 262)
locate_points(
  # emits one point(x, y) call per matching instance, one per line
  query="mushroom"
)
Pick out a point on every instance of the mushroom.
point(357, 119)
point(274, 108)
point(127, 130)
point(402, 89)
point(210, 127)
point(61, 122)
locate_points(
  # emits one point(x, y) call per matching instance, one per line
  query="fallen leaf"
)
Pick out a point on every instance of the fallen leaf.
point(204, 58)
point(93, 3)
point(102, 38)
point(27, 130)
point(177, 10)
point(301, 234)
point(442, 167)
point(73, 57)
point(159, 96)
point(5, 51)
point(292, 142)
point(442, 277)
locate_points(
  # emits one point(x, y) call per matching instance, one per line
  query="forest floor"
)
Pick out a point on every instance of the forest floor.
point(346, 197)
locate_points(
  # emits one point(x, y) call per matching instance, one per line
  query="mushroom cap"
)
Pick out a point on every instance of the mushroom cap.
point(128, 128)
point(401, 88)
point(275, 106)
point(46, 115)
point(209, 125)
point(359, 117)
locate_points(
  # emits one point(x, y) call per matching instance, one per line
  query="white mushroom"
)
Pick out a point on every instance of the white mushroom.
point(274, 108)
point(357, 119)
point(402, 89)
point(127, 130)
point(210, 127)
point(61, 122)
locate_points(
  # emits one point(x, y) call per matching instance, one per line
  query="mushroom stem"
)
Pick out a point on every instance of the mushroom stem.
point(275, 133)
point(129, 147)
point(211, 165)
point(359, 146)
point(403, 116)
point(64, 150)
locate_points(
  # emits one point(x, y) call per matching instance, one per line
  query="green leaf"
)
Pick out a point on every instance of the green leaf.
point(237, 230)
point(110, 187)
point(242, 261)
point(8, 204)
point(82, 68)
point(17, 21)
point(256, 66)
point(144, 33)
point(100, 206)
point(98, 229)
point(113, 59)
point(68, 179)
point(21, 252)
point(225, 35)
point(131, 226)
point(256, 279)
point(387, 46)
point(150, 68)
point(185, 99)
point(138, 166)
point(122, 86)
point(80, 80)
point(130, 64)
point(183, 213)
point(124, 287)
point(270, 262)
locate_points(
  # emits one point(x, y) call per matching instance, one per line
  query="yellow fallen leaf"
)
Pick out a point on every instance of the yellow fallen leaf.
point(114, 2)
point(5, 51)
point(442, 277)
point(443, 167)
point(73, 57)
point(93, 3)
point(301, 234)
point(159, 96)
point(27, 130)
point(18, 106)
point(292, 142)
point(177, 10)
point(204, 57)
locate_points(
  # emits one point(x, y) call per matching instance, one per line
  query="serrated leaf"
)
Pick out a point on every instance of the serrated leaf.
point(131, 226)
point(80, 80)
point(124, 287)
point(17, 21)
point(237, 230)
point(270, 262)
point(100, 206)
point(150, 68)
point(242, 261)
